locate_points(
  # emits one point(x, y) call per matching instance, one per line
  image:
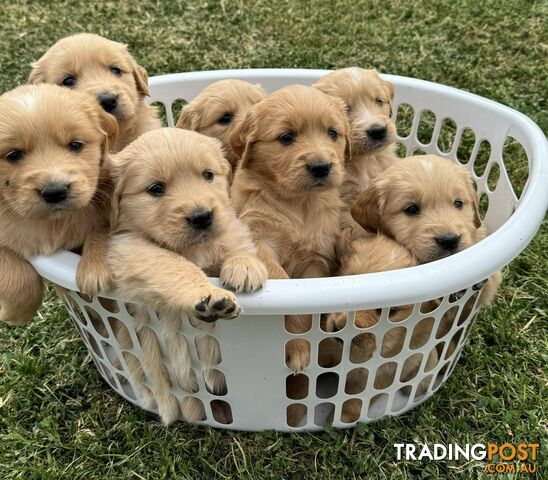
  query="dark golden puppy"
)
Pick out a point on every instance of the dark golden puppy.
point(368, 99)
point(52, 146)
point(292, 147)
point(174, 224)
point(105, 70)
point(427, 204)
point(219, 109)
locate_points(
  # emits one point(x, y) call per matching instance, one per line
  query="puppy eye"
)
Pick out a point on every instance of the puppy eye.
point(412, 209)
point(379, 101)
point(75, 146)
point(116, 71)
point(68, 81)
point(14, 156)
point(225, 118)
point(458, 204)
point(333, 134)
point(157, 189)
point(287, 138)
point(208, 175)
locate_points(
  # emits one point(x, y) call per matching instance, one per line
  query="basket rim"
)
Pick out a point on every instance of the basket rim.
point(396, 287)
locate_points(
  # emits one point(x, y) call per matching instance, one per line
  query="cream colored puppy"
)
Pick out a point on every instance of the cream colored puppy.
point(368, 99)
point(292, 146)
point(105, 70)
point(219, 109)
point(428, 205)
point(173, 226)
point(53, 191)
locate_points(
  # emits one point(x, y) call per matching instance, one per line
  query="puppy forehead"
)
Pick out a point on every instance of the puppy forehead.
point(36, 110)
point(427, 179)
point(300, 107)
point(353, 83)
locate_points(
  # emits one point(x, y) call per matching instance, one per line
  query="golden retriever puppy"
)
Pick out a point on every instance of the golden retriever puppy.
point(369, 254)
point(219, 109)
point(427, 204)
point(53, 191)
point(174, 225)
point(105, 70)
point(368, 100)
point(292, 148)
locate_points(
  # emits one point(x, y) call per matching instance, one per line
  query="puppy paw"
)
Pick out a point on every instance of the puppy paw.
point(297, 354)
point(16, 317)
point(216, 303)
point(243, 274)
point(93, 277)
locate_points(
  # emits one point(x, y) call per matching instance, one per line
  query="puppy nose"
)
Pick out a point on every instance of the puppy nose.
point(108, 101)
point(376, 132)
point(319, 168)
point(54, 192)
point(201, 218)
point(448, 242)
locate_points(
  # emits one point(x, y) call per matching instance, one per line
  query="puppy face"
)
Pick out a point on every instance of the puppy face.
point(219, 108)
point(171, 187)
point(99, 67)
point(297, 136)
point(425, 203)
point(369, 106)
point(52, 142)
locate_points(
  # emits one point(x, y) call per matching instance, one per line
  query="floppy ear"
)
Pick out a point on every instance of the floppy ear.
point(117, 165)
point(366, 210)
point(475, 204)
point(344, 246)
point(189, 118)
point(242, 138)
point(140, 76)
point(389, 88)
point(109, 126)
point(347, 149)
point(37, 74)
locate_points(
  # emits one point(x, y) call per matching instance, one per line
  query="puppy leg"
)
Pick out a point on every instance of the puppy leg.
point(297, 351)
point(490, 289)
point(21, 289)
point(144, 272)
point(168, 406)
point(93, 274)
point(178, 351)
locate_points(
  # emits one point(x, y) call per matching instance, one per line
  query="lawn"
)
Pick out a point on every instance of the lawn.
point(59, 420)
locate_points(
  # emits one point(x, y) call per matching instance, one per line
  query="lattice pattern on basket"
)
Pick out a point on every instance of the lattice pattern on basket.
point(321, 392)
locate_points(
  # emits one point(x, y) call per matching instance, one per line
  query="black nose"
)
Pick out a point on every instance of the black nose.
point(376, 132)
point(108, 101)
point(448, 242)
point(54, 192)
point(319, 168)
point(201, 218)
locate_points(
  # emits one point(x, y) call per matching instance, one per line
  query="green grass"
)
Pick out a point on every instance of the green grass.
point(59, 420)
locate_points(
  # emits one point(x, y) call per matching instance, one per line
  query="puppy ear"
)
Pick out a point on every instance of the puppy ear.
point(117, 165)
point(344, 246)
point(242, 138)
point(347, 148)
point(189, 118)
point(475, 204)
point(37, 74)
point(389, 88)
point(109, 125)
point(140, 76)
point(367, 209)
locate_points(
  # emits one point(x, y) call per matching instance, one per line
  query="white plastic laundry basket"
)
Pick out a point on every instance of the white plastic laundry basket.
point(252, 346)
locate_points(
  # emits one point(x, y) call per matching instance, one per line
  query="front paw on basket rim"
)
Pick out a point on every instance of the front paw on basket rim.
point(243, 274)
point(218, 304)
